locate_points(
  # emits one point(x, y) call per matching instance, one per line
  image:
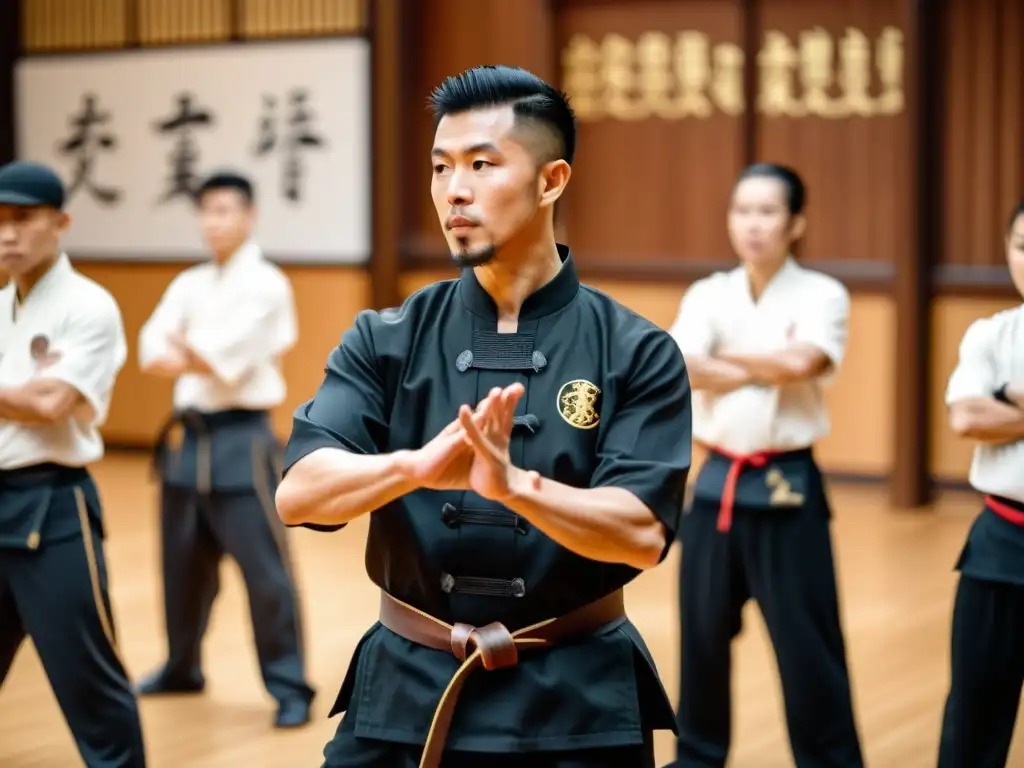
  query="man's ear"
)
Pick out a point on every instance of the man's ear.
point(798, 226)
point(554, 177)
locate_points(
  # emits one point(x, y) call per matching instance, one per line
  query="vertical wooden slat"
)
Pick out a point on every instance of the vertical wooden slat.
point(279, 16)
point(1011, 103)
point(190, 15)
point(29, 13)
point(751, 44)
point(981, 202)
point(235, 19)
point(83, 15)
point(390, 41)
point(910, 484)
point(1020, 68)
point(957, 145)
point(255, 16)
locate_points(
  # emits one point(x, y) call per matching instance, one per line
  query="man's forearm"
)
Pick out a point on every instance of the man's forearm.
point(987, 419)
point(331, 487)
point(176, 364)
point(713, 375)
point(606, 524)
point(194, 362)
point(785, 366)
point(29, 405)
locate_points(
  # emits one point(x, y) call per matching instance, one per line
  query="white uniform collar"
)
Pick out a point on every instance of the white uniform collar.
point(245, 255)
point(60, 269)
point(789, 266)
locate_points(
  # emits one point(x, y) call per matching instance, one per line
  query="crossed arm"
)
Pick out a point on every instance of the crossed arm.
point(169, 350)
point(78, 383)
point(724, 372)
point(974, 411)
point(818, 344)
point(39, 402)
point(988, 420)
point(177, 360)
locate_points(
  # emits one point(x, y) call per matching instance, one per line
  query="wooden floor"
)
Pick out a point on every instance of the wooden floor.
point(896, 579)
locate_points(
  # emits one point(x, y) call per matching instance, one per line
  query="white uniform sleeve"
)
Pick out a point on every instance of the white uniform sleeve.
point(89, 353)
point(168, 319)
point(262, 327)
point(825, 323)
point(694, 326)
point(975, 374)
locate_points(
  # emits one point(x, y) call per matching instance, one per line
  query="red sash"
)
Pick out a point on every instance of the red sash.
point(756, 460)
point(1005, 511)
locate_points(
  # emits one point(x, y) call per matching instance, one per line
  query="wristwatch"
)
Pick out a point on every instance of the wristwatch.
point(1001, 396)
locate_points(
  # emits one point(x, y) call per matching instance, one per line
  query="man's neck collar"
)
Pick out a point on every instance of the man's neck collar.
point(36, 279)
point(548, 299)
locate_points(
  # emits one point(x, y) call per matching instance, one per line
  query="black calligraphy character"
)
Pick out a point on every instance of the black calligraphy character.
point(184, 157)
point(300, 136)
point(83, 145)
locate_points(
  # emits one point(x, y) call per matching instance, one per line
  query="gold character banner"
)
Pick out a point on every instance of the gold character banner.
point(688, 76)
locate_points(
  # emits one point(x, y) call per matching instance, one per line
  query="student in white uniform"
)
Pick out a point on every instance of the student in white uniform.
point(62, 345)
point(760, 341)
point(985, 396)
point(220, 331)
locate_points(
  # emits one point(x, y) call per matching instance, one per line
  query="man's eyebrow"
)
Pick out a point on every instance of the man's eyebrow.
point(486, 147)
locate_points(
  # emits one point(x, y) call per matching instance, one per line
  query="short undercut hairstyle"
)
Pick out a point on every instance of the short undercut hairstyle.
point(227, 180)
point(532, 100)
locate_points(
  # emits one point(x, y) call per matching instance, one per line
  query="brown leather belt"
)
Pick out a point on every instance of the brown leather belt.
point(491, 647)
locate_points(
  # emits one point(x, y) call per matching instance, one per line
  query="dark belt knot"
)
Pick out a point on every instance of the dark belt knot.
point(495, 643)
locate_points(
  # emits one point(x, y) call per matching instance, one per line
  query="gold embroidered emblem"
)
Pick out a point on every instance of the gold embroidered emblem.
point(577, 403)
point(782, 494)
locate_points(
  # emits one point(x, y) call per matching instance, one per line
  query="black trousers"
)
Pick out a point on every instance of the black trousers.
point(783, 560)
point(987, 660)
point(196, 534)
point(57, 595)
point(348, 751)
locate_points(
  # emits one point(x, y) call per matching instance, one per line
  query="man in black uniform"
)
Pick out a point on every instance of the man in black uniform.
point(62, 345)
point(502, 535)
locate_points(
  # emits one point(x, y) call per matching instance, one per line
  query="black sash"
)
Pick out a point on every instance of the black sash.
point(783, 480)
point(44, 503)
point(224, 451)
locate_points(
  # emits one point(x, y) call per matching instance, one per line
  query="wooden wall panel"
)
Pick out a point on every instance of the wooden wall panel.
point(58, 25)
point(165, 22)
point(831, 104)
point(659, 92)
point(298, 18)
point(983, 123)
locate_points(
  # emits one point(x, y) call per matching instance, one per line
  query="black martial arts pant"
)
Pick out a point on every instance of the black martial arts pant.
point(987, 660)
point(57, 595)
point(196, 533)
point(346, 750)
point(783, 560)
